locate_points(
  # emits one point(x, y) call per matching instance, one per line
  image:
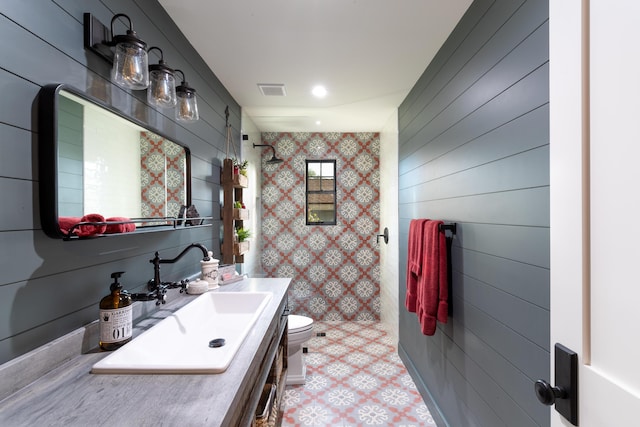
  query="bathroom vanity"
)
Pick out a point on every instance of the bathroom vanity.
point(53, 385)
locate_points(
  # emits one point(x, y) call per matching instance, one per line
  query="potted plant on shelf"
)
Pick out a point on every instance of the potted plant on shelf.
point(240, 166)
point(240, 212)
point(242, 244)
point(243, 233)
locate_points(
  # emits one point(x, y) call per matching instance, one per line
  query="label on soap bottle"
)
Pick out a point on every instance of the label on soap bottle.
point(116, 325)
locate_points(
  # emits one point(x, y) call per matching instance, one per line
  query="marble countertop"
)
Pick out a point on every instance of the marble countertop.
point(69, 395)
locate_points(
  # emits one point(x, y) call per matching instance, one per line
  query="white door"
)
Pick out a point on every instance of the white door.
point(595, 203)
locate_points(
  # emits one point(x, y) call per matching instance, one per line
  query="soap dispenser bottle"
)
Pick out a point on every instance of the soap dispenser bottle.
point(116, 316)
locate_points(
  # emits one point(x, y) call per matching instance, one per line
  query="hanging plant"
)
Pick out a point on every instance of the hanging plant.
point(243, 233)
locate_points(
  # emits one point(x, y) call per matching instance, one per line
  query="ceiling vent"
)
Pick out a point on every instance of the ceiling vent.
point(272, 89)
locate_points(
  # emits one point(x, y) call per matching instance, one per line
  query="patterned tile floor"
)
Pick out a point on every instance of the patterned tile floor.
point(354, 378)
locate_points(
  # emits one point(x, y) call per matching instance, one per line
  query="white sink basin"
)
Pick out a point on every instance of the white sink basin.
point(180, 343)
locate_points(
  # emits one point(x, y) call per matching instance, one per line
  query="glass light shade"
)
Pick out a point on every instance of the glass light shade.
point(187, 108)
point(162, 88)
point(130, 66)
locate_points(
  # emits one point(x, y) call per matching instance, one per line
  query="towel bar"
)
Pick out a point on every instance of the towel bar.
point(451, 227)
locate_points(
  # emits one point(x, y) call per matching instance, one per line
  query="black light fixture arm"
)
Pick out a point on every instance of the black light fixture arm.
point(158, 49)
point(184, 86)
point(130, 37)
point(184, 82)
point(100, 39)
point(266, 145)
point(121, 15)
point(161, 65)
point(274, 160)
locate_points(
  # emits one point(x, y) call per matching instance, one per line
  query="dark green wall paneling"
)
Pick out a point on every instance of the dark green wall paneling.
point(474, 149)
point(50, 287)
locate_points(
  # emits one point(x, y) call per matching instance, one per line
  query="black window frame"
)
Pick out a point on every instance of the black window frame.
point(332, 191)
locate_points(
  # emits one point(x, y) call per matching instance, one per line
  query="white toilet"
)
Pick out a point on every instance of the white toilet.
point(300, 330)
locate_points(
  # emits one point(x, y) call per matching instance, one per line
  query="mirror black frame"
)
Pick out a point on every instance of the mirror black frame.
point(48, 153)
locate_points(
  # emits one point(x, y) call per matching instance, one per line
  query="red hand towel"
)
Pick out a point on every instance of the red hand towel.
point(423, 280)
point(119, 228)
point(66, 222)
point(414, 262)
point(91, 230)
point(433, 287)
point(443, 279)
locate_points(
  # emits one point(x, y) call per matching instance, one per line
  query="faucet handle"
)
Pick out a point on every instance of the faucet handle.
point(161, 298)
point(182, 285)
point(161, 294)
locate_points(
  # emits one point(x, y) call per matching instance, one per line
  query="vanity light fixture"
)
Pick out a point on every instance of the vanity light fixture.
point(187, 108)
point(273, 160)
point(162, 83)
point(130, 60)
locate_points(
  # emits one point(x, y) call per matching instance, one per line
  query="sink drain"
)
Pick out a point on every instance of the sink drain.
point(218, 342)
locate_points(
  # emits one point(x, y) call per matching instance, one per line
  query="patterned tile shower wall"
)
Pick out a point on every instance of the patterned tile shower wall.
point(162, 176)
point(335, 269)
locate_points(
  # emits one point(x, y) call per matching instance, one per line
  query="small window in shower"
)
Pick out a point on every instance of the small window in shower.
point(321, 192)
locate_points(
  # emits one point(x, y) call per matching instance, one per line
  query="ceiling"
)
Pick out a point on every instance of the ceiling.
point(367, 53)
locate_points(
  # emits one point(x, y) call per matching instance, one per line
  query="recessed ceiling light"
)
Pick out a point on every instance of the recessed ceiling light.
point(319, 91)
point(318, 122)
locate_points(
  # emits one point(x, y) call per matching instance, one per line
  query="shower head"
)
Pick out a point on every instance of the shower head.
point(273, 160)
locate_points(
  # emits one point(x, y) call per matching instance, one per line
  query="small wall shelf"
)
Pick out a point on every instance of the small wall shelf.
point(240, 214)
point(241, 248)
point(239, 180)
point(142, 225)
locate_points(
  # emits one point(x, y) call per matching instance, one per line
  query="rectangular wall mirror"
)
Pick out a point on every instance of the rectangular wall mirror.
point(97, 163)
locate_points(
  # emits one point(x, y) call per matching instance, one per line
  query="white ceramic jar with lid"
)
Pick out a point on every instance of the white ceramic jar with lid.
point(210, 271)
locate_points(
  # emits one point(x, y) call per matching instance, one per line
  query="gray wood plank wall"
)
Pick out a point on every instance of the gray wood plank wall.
point(474, 149)
point(50, 287)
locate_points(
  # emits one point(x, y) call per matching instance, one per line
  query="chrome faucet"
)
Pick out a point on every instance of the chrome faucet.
point(157, 288)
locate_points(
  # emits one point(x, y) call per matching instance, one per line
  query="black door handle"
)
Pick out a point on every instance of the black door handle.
point(547, 394)
point(565, 393)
